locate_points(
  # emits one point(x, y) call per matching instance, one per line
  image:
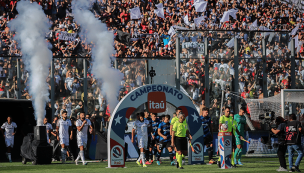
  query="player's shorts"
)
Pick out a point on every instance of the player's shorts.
point(142, 142)
point(238, 141)
point(153, 142)
point(181, 143)
point(82, 141)
point(64, 141)
point(208, 140)
point(9, 142)
point(163, 144)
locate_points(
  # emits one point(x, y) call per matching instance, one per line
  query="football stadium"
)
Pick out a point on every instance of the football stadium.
point(151, 85)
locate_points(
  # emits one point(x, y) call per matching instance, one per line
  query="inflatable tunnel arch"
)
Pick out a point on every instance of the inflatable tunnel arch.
point(156, 95)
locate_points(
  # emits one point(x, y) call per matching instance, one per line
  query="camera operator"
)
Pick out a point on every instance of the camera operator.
point(293, 141)
point(280, 132)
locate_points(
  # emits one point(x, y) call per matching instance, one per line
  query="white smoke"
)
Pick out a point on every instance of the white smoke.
point(103, 40)
point(31, 26)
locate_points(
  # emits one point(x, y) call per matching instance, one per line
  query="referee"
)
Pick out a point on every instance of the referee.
point(179, 140)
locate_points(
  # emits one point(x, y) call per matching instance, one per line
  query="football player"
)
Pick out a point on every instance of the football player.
point(64, 125)
point(10, 129)
point(141, 126)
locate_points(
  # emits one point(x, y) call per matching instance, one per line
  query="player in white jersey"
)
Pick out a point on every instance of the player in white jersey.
point(82, 125)
point(49, 129)
point(64, 125)
point(10, 129)
point(141, 126)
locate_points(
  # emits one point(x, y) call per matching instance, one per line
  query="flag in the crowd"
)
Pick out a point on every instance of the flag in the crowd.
point(135, 13)
point(160, 5)
point(271, 36)
point(160, 10)
point(231, 12)
point(230, 43)
point(294, 31)
point(198, 20)
point(171, 31)
point(297, 45)
point(123, 37)
point(200, 5)
point(264, 28)
point(254, 25)
point(186, 20)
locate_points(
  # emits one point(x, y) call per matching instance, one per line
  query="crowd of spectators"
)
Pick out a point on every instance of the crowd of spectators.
point(150, 36)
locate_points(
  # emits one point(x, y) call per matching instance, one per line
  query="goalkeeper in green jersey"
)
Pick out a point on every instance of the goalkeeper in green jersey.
point(231, 127)
point(240, 126)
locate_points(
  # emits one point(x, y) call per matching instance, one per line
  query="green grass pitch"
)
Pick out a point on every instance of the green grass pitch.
point(254, 165)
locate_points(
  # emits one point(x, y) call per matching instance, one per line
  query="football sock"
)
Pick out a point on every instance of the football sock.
point(180, 160)
point(78, 157)
point(147, 155)
point(158, 154)
point(151, 156)
point(9, 155)
point(232, 158)
point(210, 153)
point(171, 156)
point(63, 154)
point(139, 157)
point(236, 153)
point(240, 154)
point(143, 157)
point(154, 150)
point(81, 153)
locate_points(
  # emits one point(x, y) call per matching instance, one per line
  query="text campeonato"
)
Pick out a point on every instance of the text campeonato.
point(154, 88)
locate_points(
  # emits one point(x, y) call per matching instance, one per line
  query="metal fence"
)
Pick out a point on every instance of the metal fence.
point(236, 65)
point(211, 66)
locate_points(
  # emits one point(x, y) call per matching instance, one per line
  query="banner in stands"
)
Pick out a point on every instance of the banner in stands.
point(139, 96)
point(67, 36)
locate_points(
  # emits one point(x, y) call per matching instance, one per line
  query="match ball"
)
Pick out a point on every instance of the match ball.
point(224, 127)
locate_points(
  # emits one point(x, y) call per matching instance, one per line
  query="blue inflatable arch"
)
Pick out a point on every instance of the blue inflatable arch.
point(139, 96)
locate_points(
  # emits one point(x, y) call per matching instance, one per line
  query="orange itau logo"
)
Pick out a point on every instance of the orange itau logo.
point(156, 102)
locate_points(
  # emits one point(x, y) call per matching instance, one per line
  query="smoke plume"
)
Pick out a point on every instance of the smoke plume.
point(97, 33)
point(31, 26)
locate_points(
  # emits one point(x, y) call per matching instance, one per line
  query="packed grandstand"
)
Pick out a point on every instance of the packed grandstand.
point(154, 35)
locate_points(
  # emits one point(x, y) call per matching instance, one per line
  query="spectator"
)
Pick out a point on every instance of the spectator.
point(151, 36)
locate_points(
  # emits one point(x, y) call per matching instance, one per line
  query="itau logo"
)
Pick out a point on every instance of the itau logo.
point(157, 102)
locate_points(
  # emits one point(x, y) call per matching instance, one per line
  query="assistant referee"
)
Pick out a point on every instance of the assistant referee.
point(179, 140)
